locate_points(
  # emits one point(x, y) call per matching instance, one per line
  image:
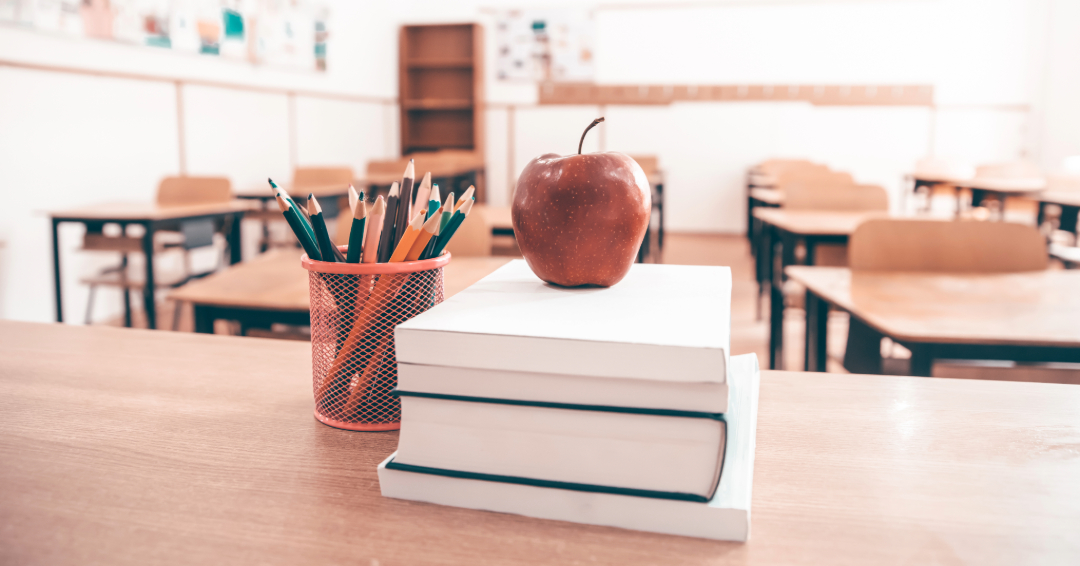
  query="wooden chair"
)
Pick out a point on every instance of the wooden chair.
point(190, 234)
point(933, 246)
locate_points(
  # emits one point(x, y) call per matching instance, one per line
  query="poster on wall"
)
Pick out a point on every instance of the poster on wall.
point(280, 33)
point(545, 45)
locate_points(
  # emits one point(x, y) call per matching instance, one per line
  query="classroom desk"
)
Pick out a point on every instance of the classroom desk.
point(1069, 201)
point(152, 218)
point(1027, 317)
point(268, 210)
point(789, 228)
point(765, 197)
point(273, 288)
point(135, 447)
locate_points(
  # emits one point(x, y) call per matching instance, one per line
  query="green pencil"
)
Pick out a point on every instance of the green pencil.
point(451, 227)
point(299, 212)
point(448, 211)
point(293, 217)
point(356, 233)
point(330, 252)
point(434, 201)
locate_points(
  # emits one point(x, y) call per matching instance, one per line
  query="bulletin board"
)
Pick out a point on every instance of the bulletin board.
point(545, 45)
point(280, 33)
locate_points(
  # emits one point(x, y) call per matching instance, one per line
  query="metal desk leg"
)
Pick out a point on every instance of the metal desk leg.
point(763, 261)
point(204, 319)
point(776, 327)
point(233, 238)
point(817, 328)
point(148, 290)
point(56, 270)
point(922, 359)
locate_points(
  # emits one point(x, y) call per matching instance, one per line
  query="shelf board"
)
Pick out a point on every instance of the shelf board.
point(440, 64)
point(435, 104)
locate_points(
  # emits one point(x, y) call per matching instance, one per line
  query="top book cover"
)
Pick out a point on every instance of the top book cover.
point(662, 322)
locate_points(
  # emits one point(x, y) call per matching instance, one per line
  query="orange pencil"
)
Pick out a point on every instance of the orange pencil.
point(431, 227)
point(408, 239)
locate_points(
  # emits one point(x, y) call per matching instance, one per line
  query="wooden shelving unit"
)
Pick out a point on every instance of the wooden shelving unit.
point(441, 88)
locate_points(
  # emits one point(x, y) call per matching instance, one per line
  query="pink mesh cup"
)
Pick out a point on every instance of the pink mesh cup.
point(354, 309)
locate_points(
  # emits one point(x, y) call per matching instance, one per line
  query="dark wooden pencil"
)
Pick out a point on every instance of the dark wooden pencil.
point(387, 242)
point(404, 211)
point(329, 251)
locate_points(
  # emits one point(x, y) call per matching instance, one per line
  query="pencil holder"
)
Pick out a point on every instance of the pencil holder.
point(354, 308)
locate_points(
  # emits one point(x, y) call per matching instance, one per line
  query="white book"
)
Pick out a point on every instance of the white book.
point(725, 517)
point(662, 322)
point(701, 396)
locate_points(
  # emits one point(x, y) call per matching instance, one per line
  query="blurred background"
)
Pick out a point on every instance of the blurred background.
point(99, 100)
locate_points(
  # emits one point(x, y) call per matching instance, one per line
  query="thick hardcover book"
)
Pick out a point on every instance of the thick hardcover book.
point(726, 516)
point(662, 322)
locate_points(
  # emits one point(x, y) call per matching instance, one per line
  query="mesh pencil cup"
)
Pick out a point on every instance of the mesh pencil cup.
point(354, 308)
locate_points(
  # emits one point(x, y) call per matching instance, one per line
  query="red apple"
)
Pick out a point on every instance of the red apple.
point(579, 219)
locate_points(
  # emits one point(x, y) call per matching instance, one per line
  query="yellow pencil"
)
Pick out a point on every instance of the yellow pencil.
point(408, 239)
point(425, 235)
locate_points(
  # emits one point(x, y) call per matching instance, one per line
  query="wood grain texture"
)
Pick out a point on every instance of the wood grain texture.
point(137, 447)
point(814, 222)
point(276, 281)
point(150, 211)
point(1040, 308)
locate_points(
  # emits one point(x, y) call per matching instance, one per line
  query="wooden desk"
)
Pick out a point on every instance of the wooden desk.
point(789, 228)
point(273, 288)
point(1069, 201)
point(134, 447)
point(1031, 316)
point(152, 218)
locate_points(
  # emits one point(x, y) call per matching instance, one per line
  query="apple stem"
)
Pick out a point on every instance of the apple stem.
point(591, 126)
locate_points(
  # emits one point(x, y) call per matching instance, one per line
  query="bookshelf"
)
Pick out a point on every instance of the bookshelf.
point(441, 88)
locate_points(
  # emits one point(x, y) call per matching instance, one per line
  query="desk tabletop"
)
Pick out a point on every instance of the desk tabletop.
point(276, 281)
point(141, 211)
point(814, 222)
point(1067, 198)
point(1018, 186)
point(131, 447)
point(265, 192)
point(1038, 308)
point(767, 196)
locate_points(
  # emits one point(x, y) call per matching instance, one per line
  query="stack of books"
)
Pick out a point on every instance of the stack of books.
point(617, 406)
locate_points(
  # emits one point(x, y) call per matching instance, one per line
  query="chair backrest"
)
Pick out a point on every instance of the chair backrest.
point(181, 191)
point(1020, 169)
point(944, 169)
point(308, 177)
point(810, 195)
point(818, 176)
point(775, 167)
point(946, 246)
point(473, 237)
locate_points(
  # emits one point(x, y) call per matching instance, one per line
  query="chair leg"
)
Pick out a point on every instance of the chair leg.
point(90, 306)
point(177, 307)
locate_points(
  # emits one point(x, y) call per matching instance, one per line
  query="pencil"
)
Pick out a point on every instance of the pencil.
point(423, 192)
point(426, 234)
point(451, 227)
point(408, 239)
point(299, 212)
point(330, 252)
point(293, 218)
point(354, 198)
point(434, 202)
point(375, 219)
point(447, 211)
point(356, 233)
point(426, 253)
point(404, 211)
point(386, 245)
point(467, 195)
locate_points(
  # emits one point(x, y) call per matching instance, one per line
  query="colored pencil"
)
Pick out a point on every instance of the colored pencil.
point(451, 228)
point(293, 218)
point(408, 239)
point(427, 233)
point(375, 219)
point(423, 192)
point(299, 212)
point(354, 198)
point(356, 233)
point(329, 251)
point(386, 244)
point(447, 212)
point(467, 195)
point(437, 219)
point(404, 211)
point(434, 202)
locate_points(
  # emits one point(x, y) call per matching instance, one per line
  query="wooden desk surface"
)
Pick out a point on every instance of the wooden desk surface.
point(276, 281)
point(267, 193)
point(134, 211)
point(814, 222)
point(1011, 186)
point(1039, 308)
point(135, 447)
point(768, 196)
point(1067, 198)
